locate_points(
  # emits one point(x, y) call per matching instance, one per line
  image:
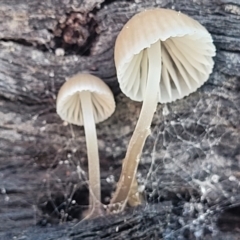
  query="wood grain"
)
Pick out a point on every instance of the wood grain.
point(42, 160)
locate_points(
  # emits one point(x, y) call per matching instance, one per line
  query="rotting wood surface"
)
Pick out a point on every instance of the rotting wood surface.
point(193, 189)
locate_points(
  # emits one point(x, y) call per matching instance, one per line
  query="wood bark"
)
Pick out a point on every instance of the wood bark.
point(190, 169)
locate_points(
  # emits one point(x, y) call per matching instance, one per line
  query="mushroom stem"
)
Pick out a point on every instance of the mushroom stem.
point(142, 130)
point(92, 152)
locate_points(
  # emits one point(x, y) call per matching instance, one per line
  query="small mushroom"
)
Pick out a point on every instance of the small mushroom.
point(85, 100)
point(161, 55)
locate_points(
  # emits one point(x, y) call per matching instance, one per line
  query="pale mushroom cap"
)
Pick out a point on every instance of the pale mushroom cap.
point(187, 50)
point(68, 100)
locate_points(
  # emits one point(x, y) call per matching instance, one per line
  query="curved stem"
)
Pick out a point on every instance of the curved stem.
point(142, 130)
point(92, 152)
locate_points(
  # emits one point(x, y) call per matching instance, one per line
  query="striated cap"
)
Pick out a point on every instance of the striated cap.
point(69, 104)
point(186, 54)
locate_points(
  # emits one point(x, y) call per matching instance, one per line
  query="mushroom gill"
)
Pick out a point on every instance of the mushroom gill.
point(185, 66)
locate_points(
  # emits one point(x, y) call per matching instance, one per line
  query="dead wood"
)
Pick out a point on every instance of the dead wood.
point(192, 190)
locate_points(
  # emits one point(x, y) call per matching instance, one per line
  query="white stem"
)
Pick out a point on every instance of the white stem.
point(142, 130)
point(92, 152)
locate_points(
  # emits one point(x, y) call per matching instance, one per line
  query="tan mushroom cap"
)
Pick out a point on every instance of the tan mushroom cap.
point(69, 104)
point(186, 54)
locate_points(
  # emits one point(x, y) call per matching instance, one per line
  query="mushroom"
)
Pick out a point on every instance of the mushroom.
point(160, 55)
point(85, 100)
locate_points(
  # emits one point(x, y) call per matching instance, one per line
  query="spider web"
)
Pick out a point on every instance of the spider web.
point(190, 159)
point(192, 155)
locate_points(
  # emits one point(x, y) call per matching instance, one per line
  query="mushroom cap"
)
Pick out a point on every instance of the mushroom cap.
point(187, 50)
point(69, 104)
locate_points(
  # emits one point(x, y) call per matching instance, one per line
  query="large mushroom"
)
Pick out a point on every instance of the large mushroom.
point(161, 55)
point(85, 100)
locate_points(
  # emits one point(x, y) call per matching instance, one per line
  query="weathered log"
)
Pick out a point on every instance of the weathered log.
point(190, 168)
